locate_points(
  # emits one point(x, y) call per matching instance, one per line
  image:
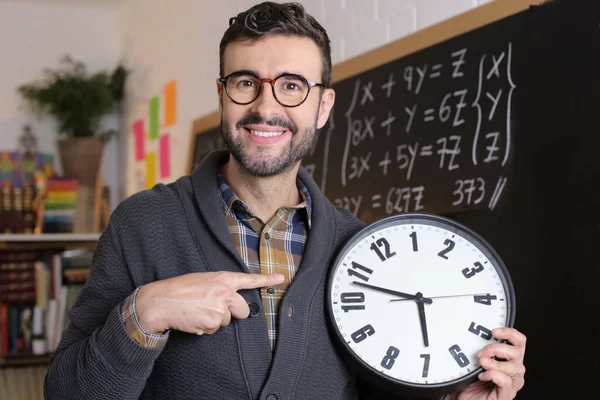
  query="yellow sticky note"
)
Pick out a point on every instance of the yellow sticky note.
point(150, 170)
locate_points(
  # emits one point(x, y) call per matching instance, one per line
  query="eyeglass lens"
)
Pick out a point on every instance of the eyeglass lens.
point(290, 90)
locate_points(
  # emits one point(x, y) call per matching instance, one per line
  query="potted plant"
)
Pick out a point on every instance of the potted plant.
point(78, 100)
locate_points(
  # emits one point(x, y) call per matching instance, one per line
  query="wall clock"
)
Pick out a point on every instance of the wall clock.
point(412, 298)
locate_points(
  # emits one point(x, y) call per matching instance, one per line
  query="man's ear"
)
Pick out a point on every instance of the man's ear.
point(325, 106)
point(220, 94)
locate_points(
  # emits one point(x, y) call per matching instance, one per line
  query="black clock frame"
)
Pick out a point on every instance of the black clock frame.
point(376, 377)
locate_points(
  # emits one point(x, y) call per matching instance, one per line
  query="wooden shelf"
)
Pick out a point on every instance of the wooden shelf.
point(48, 240)
point(24, 360)
point(50, 237)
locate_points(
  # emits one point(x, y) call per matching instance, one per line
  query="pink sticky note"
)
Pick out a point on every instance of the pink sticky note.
point(138, 133)
point(164, 154)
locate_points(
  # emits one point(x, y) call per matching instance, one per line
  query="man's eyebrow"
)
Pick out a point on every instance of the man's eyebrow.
point(245, 72)
point(290, 73)
point(254, 74)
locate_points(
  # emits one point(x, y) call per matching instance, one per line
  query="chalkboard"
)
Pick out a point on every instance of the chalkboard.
point(430, 132)
point(206, 137)
point(491, 120)
point(205, 143)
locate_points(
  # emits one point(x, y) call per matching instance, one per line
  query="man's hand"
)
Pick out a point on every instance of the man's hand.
point(198, 303)
point(501, 379)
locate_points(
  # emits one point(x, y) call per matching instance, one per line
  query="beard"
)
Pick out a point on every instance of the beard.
point(264, 164)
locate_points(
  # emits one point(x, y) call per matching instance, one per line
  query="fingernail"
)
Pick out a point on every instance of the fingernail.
point(486, 361)
point(480, 375)
point(497, 331)
point(279, 277)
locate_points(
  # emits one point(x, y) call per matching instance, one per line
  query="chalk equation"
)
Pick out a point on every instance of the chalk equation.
point(421, 135)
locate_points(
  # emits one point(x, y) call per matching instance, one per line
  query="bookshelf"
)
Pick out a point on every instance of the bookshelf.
point(48, 240)
point(60, 238)
point(43, 244)
point(24, 360)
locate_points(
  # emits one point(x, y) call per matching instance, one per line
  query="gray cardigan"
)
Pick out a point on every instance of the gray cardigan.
point(180, 228)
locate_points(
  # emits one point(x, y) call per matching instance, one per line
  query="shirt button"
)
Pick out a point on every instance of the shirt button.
point(271, 291)
point(254, 310)
point(271, 397)
point(267, 236)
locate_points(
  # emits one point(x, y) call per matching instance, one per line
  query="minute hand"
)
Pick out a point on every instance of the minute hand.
point(394, 292)
point(451, 295)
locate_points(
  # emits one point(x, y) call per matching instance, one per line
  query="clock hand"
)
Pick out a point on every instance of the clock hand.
point(442, 297)
point(421, 307)
point(394, 292)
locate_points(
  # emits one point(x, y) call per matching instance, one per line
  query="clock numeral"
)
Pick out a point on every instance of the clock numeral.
point(470, 272)
point(461, 359)
point(362, 333)
point(353, 297)
point(480, 331)
point(426, 358)
point(390, 357)
point(414, 241)
point(356, 265)
point(484, 299)
point(386, 246)
point(450, 245)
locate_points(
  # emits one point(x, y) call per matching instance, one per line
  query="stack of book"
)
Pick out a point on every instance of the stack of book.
point(20, 189)
point(37, 288)
point(60, 204)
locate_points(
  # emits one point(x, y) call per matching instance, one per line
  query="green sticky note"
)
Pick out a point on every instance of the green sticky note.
point(153, 134)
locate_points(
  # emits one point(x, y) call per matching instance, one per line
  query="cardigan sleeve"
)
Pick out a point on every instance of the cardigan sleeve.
point(96, 358)
point(135, 330)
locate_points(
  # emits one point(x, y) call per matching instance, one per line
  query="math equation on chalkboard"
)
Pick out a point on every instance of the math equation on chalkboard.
point(430, 132)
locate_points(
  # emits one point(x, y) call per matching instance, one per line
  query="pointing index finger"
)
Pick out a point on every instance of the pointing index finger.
point(254, 281)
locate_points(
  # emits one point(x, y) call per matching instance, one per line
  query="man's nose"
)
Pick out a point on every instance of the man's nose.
point(266, 104)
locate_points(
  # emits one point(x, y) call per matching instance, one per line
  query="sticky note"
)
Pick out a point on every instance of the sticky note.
point(164, 154)
point(170, 93)
point(138, 139)
point(154, 105)
point(150, 170)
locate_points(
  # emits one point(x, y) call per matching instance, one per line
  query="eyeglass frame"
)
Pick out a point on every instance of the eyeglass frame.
point(311, 84)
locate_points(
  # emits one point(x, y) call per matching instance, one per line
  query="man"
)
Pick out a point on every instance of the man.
point(186, 295)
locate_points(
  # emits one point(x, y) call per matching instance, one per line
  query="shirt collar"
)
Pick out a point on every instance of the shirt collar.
point(231, 201)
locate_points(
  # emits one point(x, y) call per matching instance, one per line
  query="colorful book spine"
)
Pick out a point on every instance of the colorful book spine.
point(60, 204)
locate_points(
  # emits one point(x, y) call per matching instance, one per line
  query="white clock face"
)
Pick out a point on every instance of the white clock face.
point(450, 292)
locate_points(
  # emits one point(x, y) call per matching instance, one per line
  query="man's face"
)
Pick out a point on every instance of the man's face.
point(264, 137)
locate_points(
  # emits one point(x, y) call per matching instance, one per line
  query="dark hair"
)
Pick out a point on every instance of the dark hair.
point(271, 18)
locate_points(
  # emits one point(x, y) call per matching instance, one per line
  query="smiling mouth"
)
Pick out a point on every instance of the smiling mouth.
point(265, 134)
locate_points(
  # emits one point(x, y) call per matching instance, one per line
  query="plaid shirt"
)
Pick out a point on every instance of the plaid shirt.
point(276, 246)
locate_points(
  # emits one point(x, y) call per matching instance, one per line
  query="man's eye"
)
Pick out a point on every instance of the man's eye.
point(246, 83)
point(291, 86)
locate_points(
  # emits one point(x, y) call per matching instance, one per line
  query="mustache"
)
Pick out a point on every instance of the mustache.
point(275, 121)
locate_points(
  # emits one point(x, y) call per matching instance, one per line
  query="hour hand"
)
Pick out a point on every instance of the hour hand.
point(394, 292)
point(423, 320)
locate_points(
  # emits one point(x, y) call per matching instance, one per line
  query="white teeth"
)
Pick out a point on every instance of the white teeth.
point(266, 134)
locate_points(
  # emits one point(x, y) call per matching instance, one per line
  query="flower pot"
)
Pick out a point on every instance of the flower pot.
point(81, 158)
